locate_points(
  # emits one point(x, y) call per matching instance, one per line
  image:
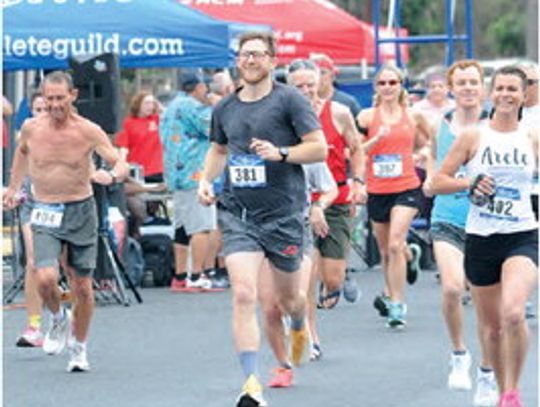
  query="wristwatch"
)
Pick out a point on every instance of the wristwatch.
point(284, 152)
point(359, 180)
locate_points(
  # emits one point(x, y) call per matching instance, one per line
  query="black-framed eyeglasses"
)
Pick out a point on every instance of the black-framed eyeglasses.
point(257, 55)
point(531, 82)
point(298, 64)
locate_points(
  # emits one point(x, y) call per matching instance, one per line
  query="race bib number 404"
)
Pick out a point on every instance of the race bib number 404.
point(247, 171)
point(387, 166)
point(48, 215)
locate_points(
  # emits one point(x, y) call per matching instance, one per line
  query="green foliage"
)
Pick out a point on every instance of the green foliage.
point(506, 35)
point(499, 27)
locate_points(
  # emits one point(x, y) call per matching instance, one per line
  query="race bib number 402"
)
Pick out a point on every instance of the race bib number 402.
point(48, 215)
point(387, 166)
point(247, 171)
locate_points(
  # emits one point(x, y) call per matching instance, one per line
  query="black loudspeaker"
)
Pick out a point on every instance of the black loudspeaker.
point(98, 80)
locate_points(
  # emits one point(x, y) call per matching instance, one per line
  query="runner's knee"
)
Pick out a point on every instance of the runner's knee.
point(244, 295)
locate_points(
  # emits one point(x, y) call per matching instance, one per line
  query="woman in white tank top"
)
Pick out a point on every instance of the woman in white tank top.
point(501, 251)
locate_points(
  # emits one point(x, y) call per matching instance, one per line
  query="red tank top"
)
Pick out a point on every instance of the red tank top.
point(336, 155)
point(390, 165)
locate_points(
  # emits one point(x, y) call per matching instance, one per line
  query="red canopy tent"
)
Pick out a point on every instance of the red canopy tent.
point(303, 27)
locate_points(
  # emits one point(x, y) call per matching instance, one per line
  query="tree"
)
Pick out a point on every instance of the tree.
point(499, 27)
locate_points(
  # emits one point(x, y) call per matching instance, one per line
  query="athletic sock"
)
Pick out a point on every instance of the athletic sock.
point(194, 276)
point(286, 365)
point(297, 324)
point(248, 361)
point(34, 321)
point(181, 276)
point(60, 315)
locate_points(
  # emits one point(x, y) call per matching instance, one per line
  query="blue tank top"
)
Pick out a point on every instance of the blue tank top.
point(452, 208)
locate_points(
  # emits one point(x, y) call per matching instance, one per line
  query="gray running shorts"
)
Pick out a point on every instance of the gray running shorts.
point(446, 232)
point(190, 214)
point(281, 239)
point(308, 238)
point(78, 231)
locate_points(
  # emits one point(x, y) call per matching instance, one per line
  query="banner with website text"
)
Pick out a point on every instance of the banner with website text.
point(44, 34)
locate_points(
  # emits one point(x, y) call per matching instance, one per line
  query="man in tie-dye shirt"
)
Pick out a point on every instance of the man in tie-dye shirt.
point(184, 130)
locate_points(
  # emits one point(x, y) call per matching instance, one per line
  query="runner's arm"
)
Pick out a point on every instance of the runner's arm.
point(105, 149)
point(214, 164)
point(423, 131)
point(444, 181)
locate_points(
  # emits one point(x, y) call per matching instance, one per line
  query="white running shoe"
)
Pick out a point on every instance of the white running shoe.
point(56, 337)
point(459, 377)
point(487, 394)
point(203, 283)
point(78, 361)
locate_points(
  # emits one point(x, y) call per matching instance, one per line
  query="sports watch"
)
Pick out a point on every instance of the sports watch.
point(284, 152)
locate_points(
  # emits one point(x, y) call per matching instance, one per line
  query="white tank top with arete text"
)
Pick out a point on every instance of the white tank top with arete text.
point(510, 160)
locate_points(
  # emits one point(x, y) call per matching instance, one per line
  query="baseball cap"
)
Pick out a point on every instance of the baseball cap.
point(323, 61)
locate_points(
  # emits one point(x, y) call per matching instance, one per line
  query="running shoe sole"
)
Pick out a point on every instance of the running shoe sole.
point(24, 343)
point(247, 401)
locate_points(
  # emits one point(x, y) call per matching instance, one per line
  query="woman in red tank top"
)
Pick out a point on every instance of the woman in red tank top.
point(392, 133)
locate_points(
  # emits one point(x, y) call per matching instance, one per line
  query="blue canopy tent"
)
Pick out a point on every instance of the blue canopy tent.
point(157, 33)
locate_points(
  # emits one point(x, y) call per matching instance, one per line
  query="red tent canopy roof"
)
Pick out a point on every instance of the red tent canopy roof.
point(302, 27)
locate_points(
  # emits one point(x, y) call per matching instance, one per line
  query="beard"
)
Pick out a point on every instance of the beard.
point(254, 77)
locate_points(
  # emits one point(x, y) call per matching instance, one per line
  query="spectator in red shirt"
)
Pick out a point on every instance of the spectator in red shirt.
point(139, 140)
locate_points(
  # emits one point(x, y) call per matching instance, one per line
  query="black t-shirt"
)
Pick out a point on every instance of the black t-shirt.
point(282, 117)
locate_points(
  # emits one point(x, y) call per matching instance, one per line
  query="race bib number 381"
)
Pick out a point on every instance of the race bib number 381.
point(247, 171)
point(48, 215)
point(387, 166)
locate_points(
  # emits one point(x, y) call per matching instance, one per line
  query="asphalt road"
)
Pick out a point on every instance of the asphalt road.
point(176, 350)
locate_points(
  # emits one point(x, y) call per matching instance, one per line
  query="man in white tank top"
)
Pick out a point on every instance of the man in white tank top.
point(501, 249)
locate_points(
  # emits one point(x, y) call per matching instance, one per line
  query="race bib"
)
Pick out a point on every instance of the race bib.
point(48, 215)
point(502, 205)
point(247, 171)
point(387, 166)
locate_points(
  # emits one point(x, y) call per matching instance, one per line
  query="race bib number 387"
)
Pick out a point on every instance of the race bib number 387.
point(247, 171)
point(48, 215)
point(387, 166)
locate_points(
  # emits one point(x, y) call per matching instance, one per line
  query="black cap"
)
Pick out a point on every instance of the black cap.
point(191, 78)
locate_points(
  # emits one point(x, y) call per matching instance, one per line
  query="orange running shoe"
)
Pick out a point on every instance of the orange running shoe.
point(281, 377)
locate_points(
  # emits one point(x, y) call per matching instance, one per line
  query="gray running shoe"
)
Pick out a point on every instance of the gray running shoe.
point(57, 336)
point(350, 288)
point(530, 310)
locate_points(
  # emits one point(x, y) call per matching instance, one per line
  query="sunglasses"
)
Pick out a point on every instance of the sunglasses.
point(298, 64)
point(391, 82)
point(531, 82)
point(257, 55)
